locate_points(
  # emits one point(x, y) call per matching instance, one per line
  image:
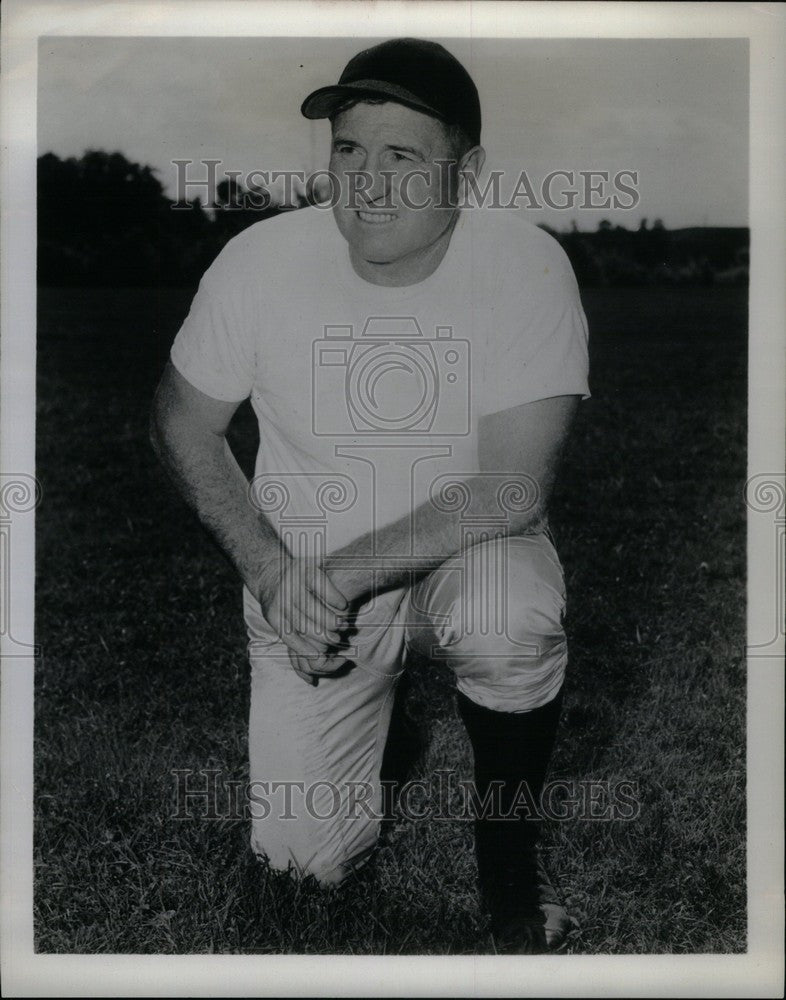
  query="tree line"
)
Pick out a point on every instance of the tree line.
point(105, 221)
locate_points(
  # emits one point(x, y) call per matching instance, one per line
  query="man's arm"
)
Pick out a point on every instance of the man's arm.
point(188, 433)
point(523, 444)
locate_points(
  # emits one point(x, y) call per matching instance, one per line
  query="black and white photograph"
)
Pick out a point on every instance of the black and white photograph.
point(393, 498)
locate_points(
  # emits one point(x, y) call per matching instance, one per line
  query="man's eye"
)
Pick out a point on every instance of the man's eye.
point(401, 157)
point(344, 148)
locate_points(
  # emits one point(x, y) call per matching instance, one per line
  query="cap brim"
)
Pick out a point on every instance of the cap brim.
point(324, 103)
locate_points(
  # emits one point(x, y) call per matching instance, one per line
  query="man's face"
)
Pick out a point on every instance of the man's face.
point(387, 142)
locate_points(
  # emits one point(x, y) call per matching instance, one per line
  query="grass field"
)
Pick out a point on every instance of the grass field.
point(143, 668)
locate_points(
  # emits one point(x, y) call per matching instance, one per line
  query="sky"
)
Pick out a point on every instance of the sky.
point(673, 110)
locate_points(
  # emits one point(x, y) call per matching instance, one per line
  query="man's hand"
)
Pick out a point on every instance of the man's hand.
point(188, 433)
point(304, 607)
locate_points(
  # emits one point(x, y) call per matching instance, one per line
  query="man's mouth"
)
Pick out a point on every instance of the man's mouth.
point(376, 218)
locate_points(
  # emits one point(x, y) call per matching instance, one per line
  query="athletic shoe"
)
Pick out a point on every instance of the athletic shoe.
point(527, 917)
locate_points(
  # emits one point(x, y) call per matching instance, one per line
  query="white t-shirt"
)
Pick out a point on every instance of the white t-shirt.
point(368, 397)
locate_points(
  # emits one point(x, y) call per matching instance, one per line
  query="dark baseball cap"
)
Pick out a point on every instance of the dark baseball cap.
point(411, 71)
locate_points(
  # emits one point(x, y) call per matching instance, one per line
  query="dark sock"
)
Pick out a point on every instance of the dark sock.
point(513, 748)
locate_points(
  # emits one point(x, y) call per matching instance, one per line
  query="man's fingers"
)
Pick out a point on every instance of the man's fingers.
point(328, 593)
point(310, 668)
point(319, 622)
point(306, 597)
point(310, 622)
point(300, 644)
point(304, 619)
point(299, 614)
point(300, 670)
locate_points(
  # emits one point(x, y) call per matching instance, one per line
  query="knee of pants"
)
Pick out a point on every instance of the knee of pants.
point(303, 847)
point(494, 613)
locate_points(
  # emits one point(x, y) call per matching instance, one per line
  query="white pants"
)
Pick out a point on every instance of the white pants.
point(494, 614)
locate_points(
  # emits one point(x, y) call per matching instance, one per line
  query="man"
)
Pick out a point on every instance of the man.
point(415, 369)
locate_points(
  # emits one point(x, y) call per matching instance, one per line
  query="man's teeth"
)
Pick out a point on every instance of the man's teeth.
point(378, 217)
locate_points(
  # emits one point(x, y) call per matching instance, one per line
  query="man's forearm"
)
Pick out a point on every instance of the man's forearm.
point(401, 552)
point(207, 475)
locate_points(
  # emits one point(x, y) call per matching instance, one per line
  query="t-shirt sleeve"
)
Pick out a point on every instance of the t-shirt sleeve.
point(540, 342)
point(214, 348)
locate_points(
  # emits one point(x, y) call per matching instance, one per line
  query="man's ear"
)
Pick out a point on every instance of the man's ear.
point(471, 163)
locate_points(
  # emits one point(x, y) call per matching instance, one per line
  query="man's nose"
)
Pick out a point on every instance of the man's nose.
point(378, 180)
